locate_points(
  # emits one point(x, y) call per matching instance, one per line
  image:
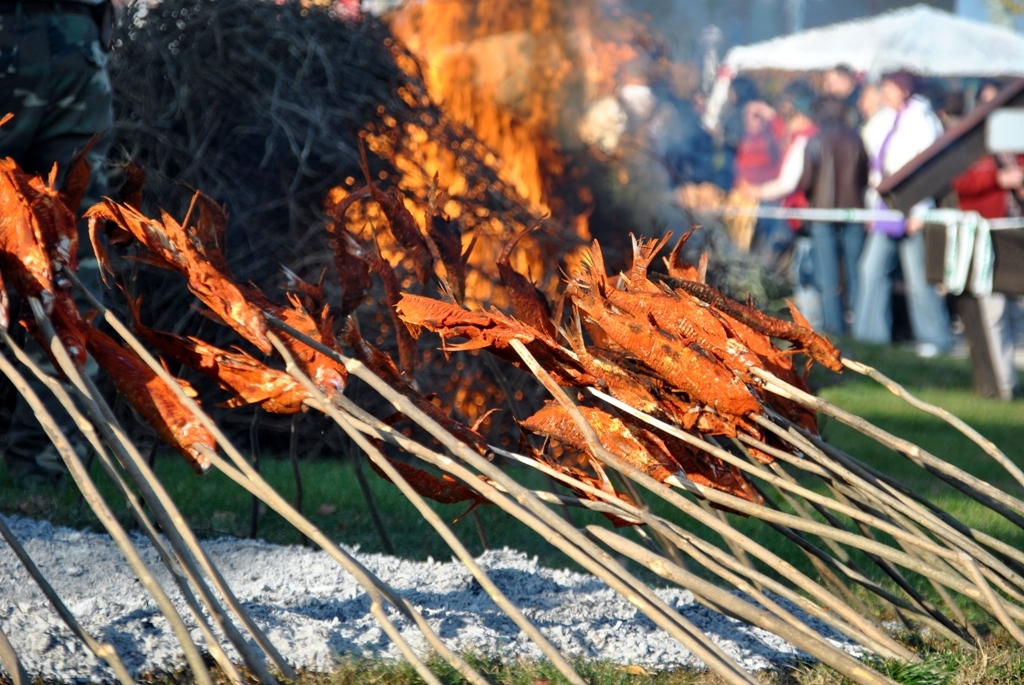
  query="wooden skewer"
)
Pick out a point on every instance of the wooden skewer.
point(430, 516)
point(12, 664)
point(182, 569)
point(117, 533)
point(984, 443)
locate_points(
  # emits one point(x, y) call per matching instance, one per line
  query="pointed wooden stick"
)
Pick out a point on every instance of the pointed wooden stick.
point(181, 571)
point(102, 650)
point(954, 581)
point(820, 565)
point(880, 638)
point(779, 517)
point(529, 509)
point(985, 493)
point(737, 550)
point(251, 479)
point(818, 648)
point(883, 491)
point(681, 538)
point(838, 550)
point(625, 511)
point(181, 537)
point(933, 517)
point(841, 553)
point(376, 589)
point(998, 606)
point(430, 516)
point(984, 443)
point(801, 440)
point(117, 533)
point(703, 551)
point(171, 521)
point(11, 662)
point(883, 551)
point(951, 630)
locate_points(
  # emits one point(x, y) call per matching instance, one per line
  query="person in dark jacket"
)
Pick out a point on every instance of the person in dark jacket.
point(53, 79)
point(835, 175)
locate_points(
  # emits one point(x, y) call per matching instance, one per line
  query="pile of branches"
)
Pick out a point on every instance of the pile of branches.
point(677, 392)
point(262, 106)
point(257, 103)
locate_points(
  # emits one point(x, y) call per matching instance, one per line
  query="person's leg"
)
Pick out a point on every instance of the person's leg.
point(80, 104)
point(805, 297)
point(929, 319)
point(825, 255)
point(852, 238)
point(873, 311)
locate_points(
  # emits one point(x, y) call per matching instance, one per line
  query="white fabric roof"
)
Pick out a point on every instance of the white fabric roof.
point(920, 39)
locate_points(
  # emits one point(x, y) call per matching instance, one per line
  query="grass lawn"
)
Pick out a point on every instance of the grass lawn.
point(334, 502)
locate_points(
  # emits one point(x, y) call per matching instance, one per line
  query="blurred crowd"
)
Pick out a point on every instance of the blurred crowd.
point(827, 143)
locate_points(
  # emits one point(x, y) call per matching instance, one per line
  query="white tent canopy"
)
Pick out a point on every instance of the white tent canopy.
point(920, 39)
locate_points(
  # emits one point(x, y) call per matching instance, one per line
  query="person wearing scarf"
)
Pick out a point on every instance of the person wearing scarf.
point(902, 129)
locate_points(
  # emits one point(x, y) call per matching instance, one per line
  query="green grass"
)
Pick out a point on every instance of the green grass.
point(333, 501)
point(999, 664)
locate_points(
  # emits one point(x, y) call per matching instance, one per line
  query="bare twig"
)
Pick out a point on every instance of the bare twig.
point(953, 420)
point(11, 662)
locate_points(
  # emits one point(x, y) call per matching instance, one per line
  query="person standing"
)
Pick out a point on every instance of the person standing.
point(994, 187)
point(53, 79)
point(902, 129)
point(840, 82)
point(773, 238)
point(759, 151)
point(835, 175)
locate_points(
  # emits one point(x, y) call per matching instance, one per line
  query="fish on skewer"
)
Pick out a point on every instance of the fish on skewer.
point(38, 237)
point(198, 254)
point(148, 395)
point(245, 377)
point(528, 303)
point(492, 331)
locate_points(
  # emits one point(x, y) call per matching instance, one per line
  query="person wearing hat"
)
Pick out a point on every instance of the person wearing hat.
point(902, 129)
point(773, 238)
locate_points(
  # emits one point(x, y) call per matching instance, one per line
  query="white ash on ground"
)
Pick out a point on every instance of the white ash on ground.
point(315, 613)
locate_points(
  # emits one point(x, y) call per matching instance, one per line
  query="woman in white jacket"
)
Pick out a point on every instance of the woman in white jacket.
point(897, 133)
